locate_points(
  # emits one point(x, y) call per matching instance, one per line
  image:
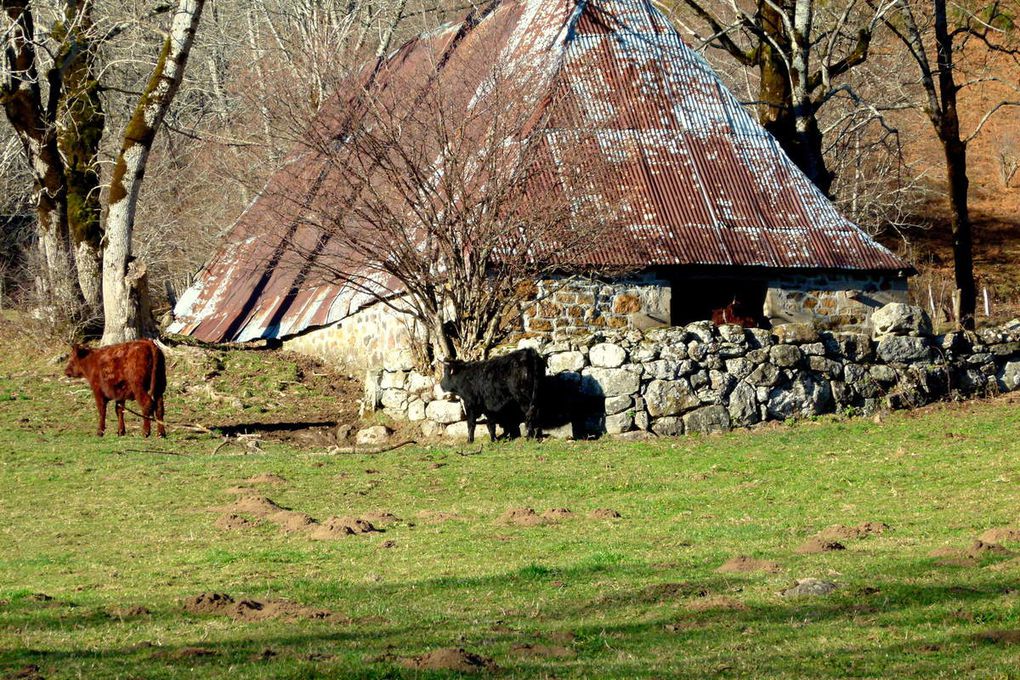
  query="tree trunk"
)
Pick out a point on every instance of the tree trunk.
point(124, 293)
point(955, 149)
point(21, 96)
point(81, 123)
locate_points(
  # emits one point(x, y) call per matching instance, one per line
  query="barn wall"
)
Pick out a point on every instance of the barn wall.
point(373, 337)
point(831, 300)
point(577, 306)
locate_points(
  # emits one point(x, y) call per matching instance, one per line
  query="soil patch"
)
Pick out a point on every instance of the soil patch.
point(604, 513)
point(253, 504)
point(185, 653)
point(267, 478)
point(543, 651)
point(659, 592)
point(436, 516)
point(450, 659)
point(1000, 637)
point(1000, 535)
point(556, 514)
point(743, 564)
point(842, 532)
point(232, 522)
point(380, 518)
point(819, 545)
point(338, 527)
point(30, 672)
point(221, 604)
point(128, 612)
point(522, 517)
point(717, 603)
point(240, 491)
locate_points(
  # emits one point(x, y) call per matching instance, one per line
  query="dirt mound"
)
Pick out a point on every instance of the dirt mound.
point(221, 604)
point(267, 478)
point(556, 514)
point(970, 557)
point(338, 527)
point(543, 651)
point(240, 491)
point(233, 522)
point(842, 532)
point(743, 564)
point(291, 520)
point(819, 545)
point(522, 517)
point(604, 513)
point(450, 659)
point(380, 518)
point(1000, 534)
point(253, 504)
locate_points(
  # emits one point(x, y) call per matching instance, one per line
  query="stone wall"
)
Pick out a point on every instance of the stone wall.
point(704, 378)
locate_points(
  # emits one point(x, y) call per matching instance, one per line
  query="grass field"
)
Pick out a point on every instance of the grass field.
point(105, 544)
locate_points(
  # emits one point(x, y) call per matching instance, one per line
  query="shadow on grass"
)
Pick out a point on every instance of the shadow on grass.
point(675, 616)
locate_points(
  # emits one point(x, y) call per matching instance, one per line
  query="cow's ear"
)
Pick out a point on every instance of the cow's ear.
point(80, 351)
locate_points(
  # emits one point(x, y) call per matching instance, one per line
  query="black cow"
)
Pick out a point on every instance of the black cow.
point(502, 389)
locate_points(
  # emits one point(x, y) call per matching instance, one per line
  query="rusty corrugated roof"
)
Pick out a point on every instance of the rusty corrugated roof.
point(711, 185)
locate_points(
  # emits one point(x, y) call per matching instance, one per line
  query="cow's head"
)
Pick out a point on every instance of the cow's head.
point(73, 369)
point(451, 373)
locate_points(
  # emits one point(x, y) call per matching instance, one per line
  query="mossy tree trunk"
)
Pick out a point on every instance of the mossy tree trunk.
point(81, 123)
point(34, 122)
point(125, 294)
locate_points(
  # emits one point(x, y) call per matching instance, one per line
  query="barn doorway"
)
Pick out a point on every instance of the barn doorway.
point(696, 298)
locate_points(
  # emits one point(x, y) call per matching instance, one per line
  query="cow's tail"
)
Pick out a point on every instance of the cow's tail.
point(157, 381)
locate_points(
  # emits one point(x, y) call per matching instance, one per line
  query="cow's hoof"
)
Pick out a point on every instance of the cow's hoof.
point(121, 434)
point(100, 433)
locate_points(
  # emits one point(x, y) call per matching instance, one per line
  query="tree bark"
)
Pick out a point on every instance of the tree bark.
point(125, 294)
point(33, 122)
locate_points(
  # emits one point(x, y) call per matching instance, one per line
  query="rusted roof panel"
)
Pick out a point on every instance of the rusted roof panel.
point(710, 186)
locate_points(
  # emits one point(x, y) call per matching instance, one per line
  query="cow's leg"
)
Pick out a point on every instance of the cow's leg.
point(490, 422)
point(531, 421)
point(119, 407)
point(472, 419)
point(146, 404)
point(101, 407)
point(160, 425)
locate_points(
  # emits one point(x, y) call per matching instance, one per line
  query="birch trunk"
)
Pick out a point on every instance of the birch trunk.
point(125, 294)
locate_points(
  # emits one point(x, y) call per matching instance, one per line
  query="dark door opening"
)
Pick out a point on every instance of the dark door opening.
point(723, 300)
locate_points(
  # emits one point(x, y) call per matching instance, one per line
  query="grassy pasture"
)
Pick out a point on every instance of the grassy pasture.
point(103, 542)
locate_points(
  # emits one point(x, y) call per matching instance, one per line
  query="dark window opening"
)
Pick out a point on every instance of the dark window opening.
point(723, 300)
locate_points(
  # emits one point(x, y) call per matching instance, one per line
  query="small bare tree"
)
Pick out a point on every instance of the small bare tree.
point(448, 203)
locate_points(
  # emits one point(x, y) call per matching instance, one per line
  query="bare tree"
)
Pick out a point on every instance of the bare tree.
point(800, 49)
point(935, 47)
point(449, 207)
point(125, 294)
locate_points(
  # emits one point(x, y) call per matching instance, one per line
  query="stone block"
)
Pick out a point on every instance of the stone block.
point(816, 349)
point(415, 410)
point(897, 349)
point(460, 430)
point(444, 412)
point(732, 333)
point(618, 404)
point(373, 436)
point(662, 369)
point(743, 405)
point(620, 422)
point(420, 384)
point(1008, 376)
point(393, 380)
point(795, 333)
point(669, 426)
point(802, 396)
point(669, 397)
point(897, 318)
point(564, 361)
point(607, 355)
point(827, 367)
point(700, 331)
point(611, 382)
point(394, 399)
point(785, 356)
point(854, 347)
point(707, 419)
point(739, 368)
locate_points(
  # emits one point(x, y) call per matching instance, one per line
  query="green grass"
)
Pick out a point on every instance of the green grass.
point(105, 525)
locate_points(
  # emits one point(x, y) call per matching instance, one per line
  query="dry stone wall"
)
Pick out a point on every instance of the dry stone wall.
point(706, 378)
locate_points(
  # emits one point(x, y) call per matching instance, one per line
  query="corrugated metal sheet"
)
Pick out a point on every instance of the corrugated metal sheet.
point(710, 186)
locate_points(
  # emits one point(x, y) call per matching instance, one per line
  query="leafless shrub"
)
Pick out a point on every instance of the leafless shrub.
point(444, 201)
point(1008, 156)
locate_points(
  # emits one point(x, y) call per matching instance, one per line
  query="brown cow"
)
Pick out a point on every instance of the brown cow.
point(132, 370)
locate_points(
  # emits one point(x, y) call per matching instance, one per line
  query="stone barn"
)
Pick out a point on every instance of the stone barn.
point(726, 215)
